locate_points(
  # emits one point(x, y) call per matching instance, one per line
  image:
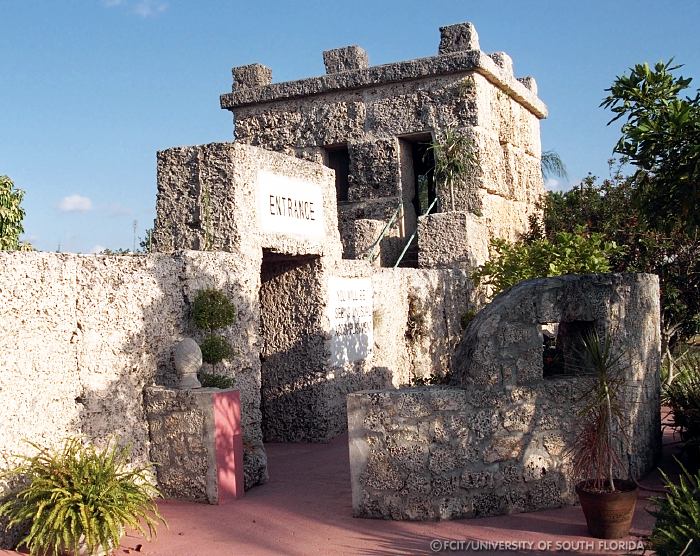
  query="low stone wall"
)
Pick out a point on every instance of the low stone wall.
point(446, 453)
point(84, 334)
point(496, 442)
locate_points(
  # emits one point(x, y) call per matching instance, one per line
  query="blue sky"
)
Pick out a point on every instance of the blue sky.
point(91, 89)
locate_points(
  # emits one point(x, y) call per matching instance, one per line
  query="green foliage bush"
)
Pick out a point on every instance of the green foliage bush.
point(677, 528)
point(565, 253)
point(80, 496)
point(211, 309)
point(215, 349)
point(683, 397)
point(11, 216)
point(215, 380)
point(609, 208)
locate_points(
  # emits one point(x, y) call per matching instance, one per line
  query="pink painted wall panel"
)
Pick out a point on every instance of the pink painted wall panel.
point(229, 445)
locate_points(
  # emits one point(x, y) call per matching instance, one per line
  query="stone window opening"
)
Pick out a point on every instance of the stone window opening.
point(338, 158)
point(561, 344)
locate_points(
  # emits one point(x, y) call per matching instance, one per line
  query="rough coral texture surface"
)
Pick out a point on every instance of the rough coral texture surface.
point(83, 335)
point(207, 197)
point(181, 427)
point(496, 441)
point(379, 113)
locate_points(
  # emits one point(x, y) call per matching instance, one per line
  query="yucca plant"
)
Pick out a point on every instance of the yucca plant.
point(455, 155)
point(677, 528)
point(80, 498)
point(594, 454)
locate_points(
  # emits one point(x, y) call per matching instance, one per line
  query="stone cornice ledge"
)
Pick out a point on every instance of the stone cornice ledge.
point(446, 64)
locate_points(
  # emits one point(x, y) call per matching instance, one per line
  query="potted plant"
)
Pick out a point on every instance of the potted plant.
point(80, 499)
point(607, 501)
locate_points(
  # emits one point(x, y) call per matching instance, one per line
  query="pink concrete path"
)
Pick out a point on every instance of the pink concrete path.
point(305, 508)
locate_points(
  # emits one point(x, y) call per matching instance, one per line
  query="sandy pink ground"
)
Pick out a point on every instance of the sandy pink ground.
point(305, 508)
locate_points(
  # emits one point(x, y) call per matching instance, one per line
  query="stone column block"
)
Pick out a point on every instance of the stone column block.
point(252, 75)
point(458, 37)
point(452, 240)
point(196, 442)
point(347, 58)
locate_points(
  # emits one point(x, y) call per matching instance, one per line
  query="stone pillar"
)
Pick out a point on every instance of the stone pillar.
point(196, 442)
point(458, 37)
point(347, 58)
point(452, 240)
point(252, 75)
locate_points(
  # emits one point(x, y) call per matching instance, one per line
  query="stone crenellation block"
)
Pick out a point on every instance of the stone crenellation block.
point(503, 61)
point(251, 76)
point(347, 58)
point(529, 82)
point(458, 37)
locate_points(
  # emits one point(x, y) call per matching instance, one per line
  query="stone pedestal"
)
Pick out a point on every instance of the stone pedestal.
point(196, 442)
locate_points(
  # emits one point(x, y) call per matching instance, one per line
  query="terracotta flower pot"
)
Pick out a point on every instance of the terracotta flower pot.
point(608, 514)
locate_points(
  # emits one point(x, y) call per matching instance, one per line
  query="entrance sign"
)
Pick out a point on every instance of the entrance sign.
point(350, 315)
point(290, 206)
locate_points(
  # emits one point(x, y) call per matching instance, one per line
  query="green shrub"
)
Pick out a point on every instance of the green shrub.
point(566, 253)
point(215, 349)
point(211, 309)
point(215, 380)
point(11, 216)
point(677, 528)
point(683, 397)
point(80, 495)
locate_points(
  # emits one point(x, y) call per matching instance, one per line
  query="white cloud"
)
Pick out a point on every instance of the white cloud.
point(141, 8)
point(75, 203)
point(553, 184)
point(149, 8)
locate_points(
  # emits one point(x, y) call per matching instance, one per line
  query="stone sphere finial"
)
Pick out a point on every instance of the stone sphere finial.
point(188, 361)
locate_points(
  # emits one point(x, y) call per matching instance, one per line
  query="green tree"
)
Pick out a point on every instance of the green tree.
point(11, 216)
point(552, 165)
point(609, 208)
point(145, 243)
point(661, 136)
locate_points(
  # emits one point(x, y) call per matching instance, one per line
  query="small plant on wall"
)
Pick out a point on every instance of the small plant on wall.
point(211, 311)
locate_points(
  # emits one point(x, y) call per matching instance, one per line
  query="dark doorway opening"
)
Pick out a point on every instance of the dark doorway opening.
point(422, 171)
point(293, 353)
point(339, 160)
